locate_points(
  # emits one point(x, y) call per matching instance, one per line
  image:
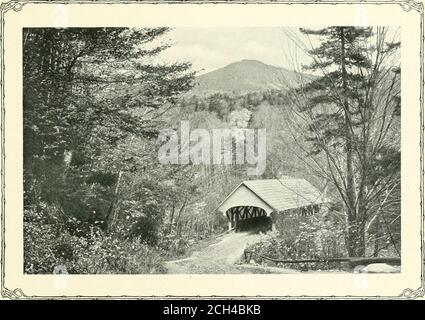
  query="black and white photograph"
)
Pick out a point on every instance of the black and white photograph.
point(211, 150)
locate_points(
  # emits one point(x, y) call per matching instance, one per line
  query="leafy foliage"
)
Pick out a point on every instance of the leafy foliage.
point(298, 238)
point(48, 244)
point(92, 106)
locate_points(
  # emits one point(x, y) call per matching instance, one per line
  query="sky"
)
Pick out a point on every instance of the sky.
point(212, 48)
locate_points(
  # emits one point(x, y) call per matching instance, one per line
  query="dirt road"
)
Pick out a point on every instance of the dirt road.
point(222, 257)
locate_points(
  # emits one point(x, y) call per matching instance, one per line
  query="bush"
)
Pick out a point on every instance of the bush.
point(39, 242)
point(105, 255)
point(303, 238)
point(49, 244)
point(172, 243)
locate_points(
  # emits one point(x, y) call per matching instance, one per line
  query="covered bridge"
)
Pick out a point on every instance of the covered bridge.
point(252, 203)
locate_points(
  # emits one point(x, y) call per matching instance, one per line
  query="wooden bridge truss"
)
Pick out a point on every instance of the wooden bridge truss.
point(239, 213)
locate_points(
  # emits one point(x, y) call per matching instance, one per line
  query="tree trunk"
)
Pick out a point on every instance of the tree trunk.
point(356, 245)
point(348, 135)
point(377, 236)
point(179, 214)
point(355, 238)
point(172, 217)
point(113, 207)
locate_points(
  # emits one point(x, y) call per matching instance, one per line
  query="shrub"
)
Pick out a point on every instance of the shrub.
point(48, 244)
point(106, 254)
point(298, 238)
point(39, 242)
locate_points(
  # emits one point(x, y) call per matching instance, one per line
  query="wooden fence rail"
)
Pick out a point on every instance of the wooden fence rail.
point(352, 261)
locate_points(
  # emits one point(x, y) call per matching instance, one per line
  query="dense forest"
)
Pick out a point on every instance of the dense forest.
point(97, 200)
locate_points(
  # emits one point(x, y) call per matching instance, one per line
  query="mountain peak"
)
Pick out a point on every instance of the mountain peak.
point(251, 61)
point(247, 75)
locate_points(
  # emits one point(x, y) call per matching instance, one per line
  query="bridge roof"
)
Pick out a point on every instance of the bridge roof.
point(283, 194)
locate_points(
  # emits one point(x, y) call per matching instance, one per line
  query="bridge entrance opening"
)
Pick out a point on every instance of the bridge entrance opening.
point(259, 224)
point(249, 218)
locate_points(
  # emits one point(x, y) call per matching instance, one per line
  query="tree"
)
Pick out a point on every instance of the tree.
point(350, 115)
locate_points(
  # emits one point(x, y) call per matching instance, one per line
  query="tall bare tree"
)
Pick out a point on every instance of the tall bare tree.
point(348, 121)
